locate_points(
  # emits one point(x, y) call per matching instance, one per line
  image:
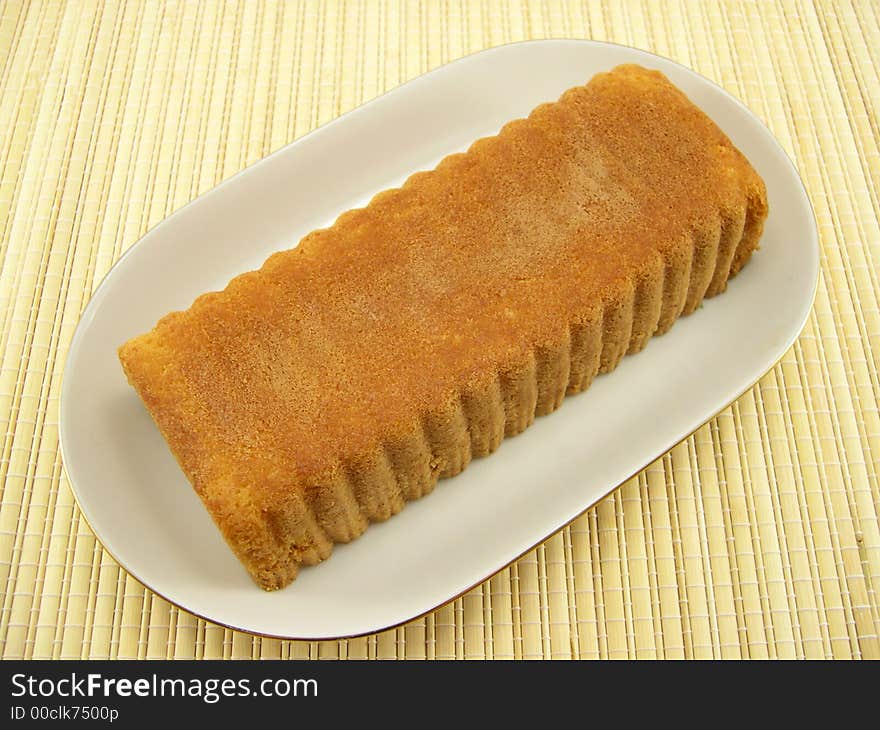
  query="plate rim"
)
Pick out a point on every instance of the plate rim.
point(89, 310)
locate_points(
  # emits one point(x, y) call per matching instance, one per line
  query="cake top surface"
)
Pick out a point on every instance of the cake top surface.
point(334, 346)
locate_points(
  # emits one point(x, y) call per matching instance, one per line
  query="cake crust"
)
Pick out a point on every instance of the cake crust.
point(347, 375)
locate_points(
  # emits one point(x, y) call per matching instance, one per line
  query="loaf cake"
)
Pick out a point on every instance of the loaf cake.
point(347, 375)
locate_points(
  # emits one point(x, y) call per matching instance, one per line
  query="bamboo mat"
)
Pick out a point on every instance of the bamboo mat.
point(756, 537)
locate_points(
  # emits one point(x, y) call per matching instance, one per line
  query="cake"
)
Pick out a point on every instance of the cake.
point(348, 374)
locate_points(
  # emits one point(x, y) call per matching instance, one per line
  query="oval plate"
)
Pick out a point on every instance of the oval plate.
point(144, 511)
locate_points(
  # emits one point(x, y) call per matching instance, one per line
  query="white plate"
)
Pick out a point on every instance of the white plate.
point(141, 506)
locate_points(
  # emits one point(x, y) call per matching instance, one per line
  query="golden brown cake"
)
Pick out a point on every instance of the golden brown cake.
point(349, 374)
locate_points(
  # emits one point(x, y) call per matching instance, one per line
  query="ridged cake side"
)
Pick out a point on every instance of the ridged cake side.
point(339, 505)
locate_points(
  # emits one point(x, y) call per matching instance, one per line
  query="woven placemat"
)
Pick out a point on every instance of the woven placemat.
point(756, 537)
